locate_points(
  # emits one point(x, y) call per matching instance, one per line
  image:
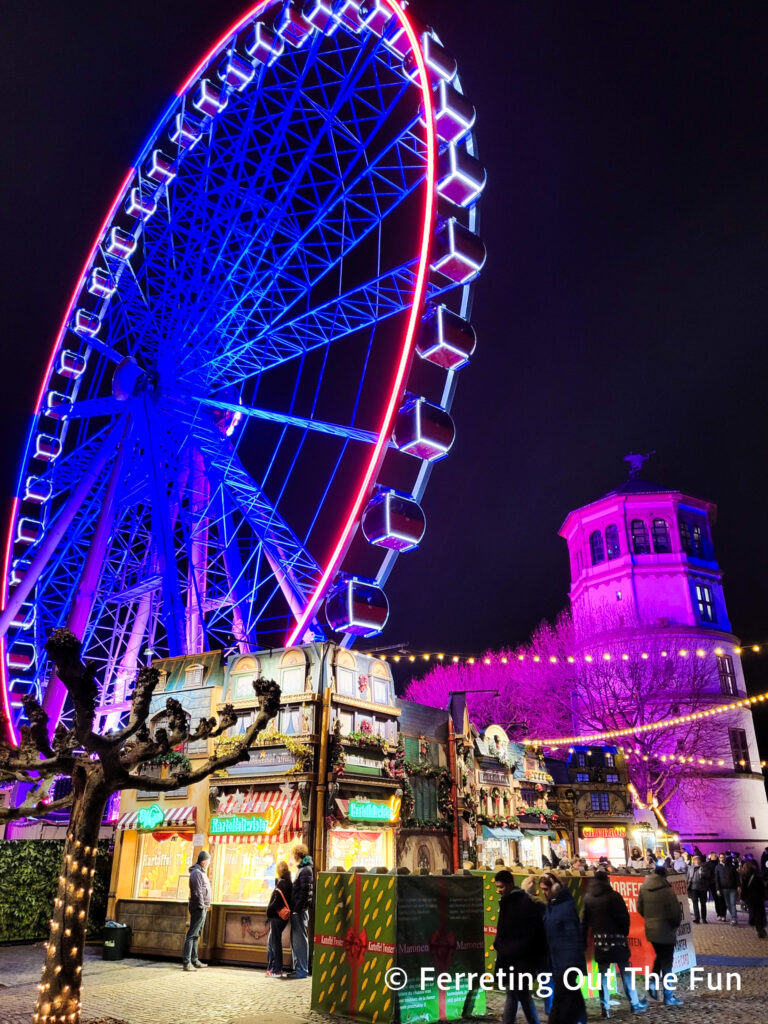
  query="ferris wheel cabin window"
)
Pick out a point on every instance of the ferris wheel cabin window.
point(640, 543)
point(612, 546)
point(596, 547)
point(661, 544)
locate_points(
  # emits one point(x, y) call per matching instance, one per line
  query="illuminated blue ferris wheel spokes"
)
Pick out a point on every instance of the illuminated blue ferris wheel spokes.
point(243, 248)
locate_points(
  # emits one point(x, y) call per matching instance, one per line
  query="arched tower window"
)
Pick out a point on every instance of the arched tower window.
point(612, 546)
point(596, 547)
point(661, 543)
point(640, 543)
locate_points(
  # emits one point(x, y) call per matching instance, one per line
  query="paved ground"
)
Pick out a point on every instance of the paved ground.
point(151, 992)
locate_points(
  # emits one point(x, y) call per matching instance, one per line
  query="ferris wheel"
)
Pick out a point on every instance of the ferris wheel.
point(259, 357)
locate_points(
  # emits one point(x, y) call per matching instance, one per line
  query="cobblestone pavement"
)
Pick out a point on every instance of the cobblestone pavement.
point(155, 992)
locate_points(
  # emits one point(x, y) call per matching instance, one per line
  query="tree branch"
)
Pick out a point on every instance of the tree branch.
point(35, 810)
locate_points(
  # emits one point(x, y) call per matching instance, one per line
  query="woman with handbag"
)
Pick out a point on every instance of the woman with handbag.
point(605, 912)
point(278, 914)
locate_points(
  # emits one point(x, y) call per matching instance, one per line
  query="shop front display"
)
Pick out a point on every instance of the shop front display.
point(250, 834)
point(609, 841)
point(156, 851)
point(534, 846)
point(498, 844)
point(364, 837)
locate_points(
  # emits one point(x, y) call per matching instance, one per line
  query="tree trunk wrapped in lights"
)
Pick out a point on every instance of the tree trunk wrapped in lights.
point(100, 765)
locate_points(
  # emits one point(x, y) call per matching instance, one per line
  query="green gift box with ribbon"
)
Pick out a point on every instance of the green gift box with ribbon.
point(369, 925)
point(354, 945)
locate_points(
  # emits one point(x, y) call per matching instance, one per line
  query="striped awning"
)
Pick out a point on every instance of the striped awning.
point(172, 816)
point(259, 802)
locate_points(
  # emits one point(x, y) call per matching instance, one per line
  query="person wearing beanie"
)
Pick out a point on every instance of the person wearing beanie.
point(200, 894)
point(606, 915)
point(663, 914)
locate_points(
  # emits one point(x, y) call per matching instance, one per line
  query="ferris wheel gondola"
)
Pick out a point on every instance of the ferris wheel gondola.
point(259, 355)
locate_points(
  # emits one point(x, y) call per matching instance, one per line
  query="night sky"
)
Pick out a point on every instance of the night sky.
point(623, 308)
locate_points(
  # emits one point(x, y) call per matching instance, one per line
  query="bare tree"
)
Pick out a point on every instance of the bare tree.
point(100, 765)
point(555, 686)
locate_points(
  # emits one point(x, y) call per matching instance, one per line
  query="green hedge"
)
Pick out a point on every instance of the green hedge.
point(29, 875)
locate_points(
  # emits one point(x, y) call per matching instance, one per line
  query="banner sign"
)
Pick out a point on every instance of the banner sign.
point(360, 809)
point(603, 831)
point(236, 824)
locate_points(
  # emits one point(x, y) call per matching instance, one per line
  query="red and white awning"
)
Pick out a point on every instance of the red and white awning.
point(172, 816)
point(259, 802)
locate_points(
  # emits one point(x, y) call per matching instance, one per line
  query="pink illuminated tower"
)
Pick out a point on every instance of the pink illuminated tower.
point(645, 583)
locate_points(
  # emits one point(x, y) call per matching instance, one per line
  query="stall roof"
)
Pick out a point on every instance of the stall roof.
point(544, 833)
point(501, 833)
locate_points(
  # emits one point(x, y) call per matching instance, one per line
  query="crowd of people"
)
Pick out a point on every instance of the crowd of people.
point(540, 931)
point(290, 901)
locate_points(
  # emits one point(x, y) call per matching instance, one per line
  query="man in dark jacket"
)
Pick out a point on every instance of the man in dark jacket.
point(199, 901)
point(302, 898)
point(727, 882)
point(565, 942)
point(605, 912)
point(657, 903)
point(520, 947)
point(698, 876)
point(752, 889)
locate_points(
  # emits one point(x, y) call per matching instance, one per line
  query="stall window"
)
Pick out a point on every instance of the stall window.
point(346, 674)
point(244, 673)
point(611, 777)
point(609, 761)
point(582, 776)
point(424, 797)
point(292, 672)
point(244, 871)
point(348, 848)
point(600, 801)
point(290, 721)
point(380, 684)
point(164, 860)
point(346, 719)
point(581, 760)
point(193, 677)
point(411, 749)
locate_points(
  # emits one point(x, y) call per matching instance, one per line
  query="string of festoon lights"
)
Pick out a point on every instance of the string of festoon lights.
point(401, 654)
point(634, 730)
point(555, 743)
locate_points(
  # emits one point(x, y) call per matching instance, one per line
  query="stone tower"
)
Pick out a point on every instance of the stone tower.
point(644, 575)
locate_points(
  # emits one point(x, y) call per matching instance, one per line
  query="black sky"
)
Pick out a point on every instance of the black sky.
point(624, 306)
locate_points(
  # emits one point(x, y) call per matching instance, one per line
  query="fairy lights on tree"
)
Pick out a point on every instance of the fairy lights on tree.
point(100, 765)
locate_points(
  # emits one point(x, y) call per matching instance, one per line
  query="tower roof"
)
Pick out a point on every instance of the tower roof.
point(637, 485)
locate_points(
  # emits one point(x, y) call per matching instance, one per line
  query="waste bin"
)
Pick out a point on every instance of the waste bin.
point(117, 941)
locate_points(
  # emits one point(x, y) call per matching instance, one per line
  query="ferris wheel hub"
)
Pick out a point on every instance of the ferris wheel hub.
point(129, 380)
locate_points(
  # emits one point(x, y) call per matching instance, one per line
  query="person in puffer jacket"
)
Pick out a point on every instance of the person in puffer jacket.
point(657, 903)
point(302, 899)
point(565, 942)
point(606, 914)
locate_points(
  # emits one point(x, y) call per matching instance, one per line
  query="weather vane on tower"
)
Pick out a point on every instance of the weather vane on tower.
point(636, 462)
